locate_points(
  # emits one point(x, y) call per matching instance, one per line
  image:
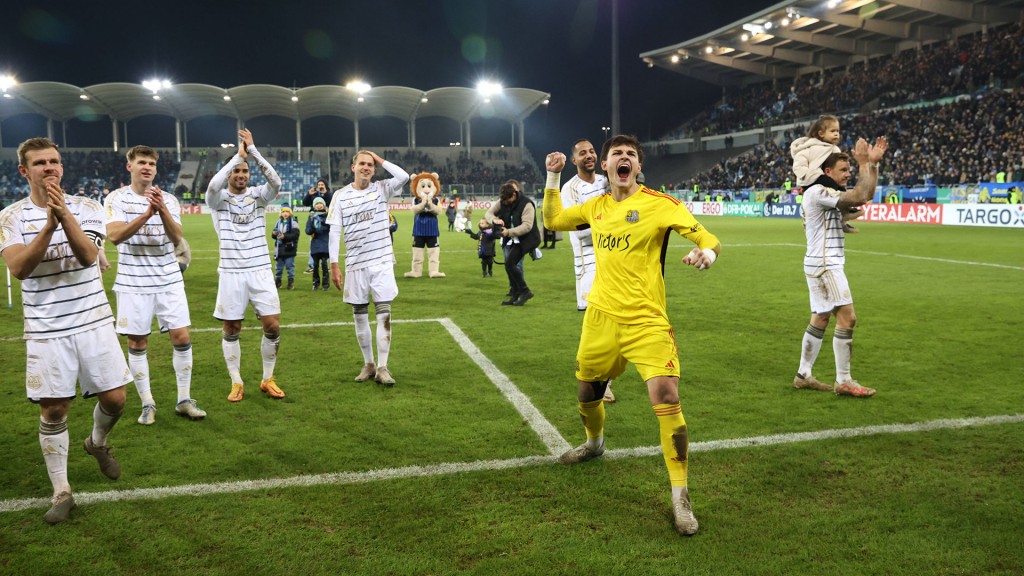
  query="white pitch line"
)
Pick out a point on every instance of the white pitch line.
point(548, 433)
point(945, 260)
point(343, 478)
point(324, 324)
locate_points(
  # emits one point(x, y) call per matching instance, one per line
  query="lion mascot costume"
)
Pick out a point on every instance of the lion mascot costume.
point(425, 209)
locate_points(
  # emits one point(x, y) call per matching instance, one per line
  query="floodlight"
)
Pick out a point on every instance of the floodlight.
point(7, 81)
point(488, 88)
point(358, 86)
point(154, 85)
point(674, 59)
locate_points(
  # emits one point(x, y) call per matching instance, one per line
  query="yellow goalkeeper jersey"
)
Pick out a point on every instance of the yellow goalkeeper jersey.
point(630, 242)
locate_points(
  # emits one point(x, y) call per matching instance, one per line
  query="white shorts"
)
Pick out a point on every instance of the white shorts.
point(135, 311)
point(376, 281)
point(237, 289)
point(584, 282)
point(829, 291)
point(94, 359)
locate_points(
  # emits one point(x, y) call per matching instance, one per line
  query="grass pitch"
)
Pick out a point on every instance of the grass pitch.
point(453, 470)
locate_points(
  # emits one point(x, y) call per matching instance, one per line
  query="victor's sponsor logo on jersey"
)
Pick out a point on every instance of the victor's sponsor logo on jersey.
point(363, 216)
point(612, 243)
point(243, 218)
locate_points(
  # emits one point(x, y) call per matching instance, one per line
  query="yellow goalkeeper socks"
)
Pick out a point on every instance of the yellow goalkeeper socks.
point(674, 441)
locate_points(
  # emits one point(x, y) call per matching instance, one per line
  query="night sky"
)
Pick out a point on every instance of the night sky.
point(558, 46)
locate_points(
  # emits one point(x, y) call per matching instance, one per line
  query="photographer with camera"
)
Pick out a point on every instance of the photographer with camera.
point(515, 217)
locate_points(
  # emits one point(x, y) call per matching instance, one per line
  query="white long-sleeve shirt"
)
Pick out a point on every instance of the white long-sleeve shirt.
point(362, 215)
point(239, 219)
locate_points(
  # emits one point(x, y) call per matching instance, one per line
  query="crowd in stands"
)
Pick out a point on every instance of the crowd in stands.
point(462, 171)
point(966, 65)
point(86, 174)
point(968, 141)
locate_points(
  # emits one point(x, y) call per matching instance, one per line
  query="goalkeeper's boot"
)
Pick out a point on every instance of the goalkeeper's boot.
point(581, 453)
point(686, 522)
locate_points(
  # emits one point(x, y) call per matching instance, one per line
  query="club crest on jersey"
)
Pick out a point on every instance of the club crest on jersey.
point(632, 216)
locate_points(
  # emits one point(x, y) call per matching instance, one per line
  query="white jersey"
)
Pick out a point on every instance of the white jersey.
point(145, 262)
point(62, 296)
point(239, 219)
point(363, 217)
point(823, 225)
point(575, 192)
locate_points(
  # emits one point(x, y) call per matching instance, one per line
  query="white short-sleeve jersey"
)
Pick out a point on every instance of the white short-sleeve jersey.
point(61, 296)
point(363, 217)
point(145, 262)
point(823, 226)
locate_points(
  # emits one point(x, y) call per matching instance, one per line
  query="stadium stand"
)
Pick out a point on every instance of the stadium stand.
point(953, 113)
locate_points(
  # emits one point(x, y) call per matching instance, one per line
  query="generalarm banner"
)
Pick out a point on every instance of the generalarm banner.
point(904, 213)
point(997, 215)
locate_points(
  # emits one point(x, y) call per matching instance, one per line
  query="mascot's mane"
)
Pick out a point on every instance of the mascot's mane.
point(432, 176)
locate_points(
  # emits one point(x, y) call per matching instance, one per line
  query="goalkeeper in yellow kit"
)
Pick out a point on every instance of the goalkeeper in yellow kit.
point(626, 320)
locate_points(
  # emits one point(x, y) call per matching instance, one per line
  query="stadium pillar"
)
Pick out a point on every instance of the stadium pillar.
point(412, 134)
point(469, 137)
point(356, 129)
point(64, 133)
point(114, 120)
point(615, 67)
point(177, 137)
point(49, 129)
point(298, 139)
point(522, 134)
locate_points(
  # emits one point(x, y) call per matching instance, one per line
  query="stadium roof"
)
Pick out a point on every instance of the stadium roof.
point(799, 37)
point(184, 102)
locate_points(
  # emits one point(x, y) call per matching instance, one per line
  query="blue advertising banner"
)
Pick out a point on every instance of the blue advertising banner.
point(774, 210)
point(920, 194)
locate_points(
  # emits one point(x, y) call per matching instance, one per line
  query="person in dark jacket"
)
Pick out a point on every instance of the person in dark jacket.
point(321, 191)
point(516, 214)
point(319, 232)
point(286, 245)
point(485, 246)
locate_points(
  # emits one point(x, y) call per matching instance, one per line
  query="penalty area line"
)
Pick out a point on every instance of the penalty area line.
point(406, 472)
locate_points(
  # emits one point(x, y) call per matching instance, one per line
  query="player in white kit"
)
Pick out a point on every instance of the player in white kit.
point(360, 211)
point(145, 223)
point(244, 270)
point(586, 184)
point(824, 204)
point(51, 242)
